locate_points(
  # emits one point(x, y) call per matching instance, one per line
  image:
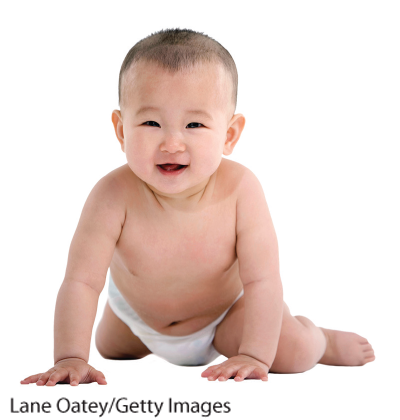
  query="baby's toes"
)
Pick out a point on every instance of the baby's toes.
point(361, 340)
point(368, 356)
point(366, 347)
point(369, 359)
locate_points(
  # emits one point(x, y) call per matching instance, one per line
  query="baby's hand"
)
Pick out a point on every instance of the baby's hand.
point(239, 367)
point(71, 371)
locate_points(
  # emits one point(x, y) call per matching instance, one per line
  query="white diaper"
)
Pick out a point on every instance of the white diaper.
point(190, 350)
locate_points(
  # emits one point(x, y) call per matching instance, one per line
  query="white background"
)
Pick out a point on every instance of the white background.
point(319, 86)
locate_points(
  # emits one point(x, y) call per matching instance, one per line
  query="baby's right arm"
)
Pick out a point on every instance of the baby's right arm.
point(90, 254)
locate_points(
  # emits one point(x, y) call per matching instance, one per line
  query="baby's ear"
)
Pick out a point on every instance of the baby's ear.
point(118, 127)
point(235, 129)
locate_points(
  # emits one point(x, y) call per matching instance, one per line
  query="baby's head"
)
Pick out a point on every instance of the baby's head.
point(177, 93)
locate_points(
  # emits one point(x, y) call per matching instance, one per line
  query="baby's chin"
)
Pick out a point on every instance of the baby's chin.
point(179, 190)
point(183, 185)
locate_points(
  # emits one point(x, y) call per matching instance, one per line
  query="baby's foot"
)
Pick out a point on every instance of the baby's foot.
point(346, 349)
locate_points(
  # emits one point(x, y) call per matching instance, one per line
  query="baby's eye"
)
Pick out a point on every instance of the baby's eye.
point(194, 125)
point(152, 123)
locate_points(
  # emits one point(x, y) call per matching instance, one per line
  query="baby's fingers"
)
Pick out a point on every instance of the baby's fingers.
point(94, 376)
point(213, 372)
point(57, 376)
point(222, 373)
point(44, 377)
point(228, 372)
point(74, 377)
point(100, 378)
point(244, 372)
point(31, 379)
point(209, 371)
point(259, 373)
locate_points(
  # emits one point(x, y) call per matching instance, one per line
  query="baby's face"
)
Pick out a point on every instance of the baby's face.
point(174, 127)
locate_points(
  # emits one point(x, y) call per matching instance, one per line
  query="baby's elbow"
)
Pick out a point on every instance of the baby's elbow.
point(267, 282)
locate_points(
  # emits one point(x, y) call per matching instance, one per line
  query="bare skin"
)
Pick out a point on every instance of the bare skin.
point(181, 246)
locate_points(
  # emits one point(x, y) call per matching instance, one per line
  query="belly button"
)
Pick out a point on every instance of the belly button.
point(173, 323)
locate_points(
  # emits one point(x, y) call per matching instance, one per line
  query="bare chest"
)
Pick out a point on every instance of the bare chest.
point(164, 246)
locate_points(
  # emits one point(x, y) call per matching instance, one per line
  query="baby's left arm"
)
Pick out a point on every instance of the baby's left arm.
point(257, 251)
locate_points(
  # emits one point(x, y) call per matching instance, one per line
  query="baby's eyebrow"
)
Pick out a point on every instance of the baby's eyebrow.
point(200, 112)
point(144, 109)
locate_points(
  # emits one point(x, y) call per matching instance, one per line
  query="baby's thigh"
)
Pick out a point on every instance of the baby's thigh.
point(115, 340)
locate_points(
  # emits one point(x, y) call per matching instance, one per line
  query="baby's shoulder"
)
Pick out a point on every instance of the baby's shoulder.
point(118, 184)
point(234, 176)
point(121, 176)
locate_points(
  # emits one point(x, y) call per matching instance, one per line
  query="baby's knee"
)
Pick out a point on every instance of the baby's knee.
point(297, 352)
point(303, 357)
point(104, 349)
point(308, 348)
point(115, 350)
point(110, 353)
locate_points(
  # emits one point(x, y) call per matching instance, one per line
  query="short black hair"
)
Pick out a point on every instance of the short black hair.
point(178, 49)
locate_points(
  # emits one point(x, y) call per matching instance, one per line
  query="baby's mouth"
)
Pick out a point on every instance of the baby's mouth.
point(172, 167)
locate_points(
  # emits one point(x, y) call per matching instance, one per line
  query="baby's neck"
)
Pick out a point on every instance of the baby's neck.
point(188, 200)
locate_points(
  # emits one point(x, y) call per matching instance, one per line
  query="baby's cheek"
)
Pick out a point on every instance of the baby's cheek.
point(138, 158)
point(210, 161)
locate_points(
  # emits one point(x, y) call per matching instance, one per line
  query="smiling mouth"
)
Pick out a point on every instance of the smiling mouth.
point(171, 167)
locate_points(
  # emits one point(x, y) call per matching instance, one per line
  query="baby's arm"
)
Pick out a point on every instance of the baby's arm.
point(89, 257)
point(257, 251)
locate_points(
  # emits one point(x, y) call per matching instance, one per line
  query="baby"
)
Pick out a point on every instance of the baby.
point(187, 235)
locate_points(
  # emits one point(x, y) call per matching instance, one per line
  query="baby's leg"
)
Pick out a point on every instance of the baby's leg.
point(115, 340)
point(301, 344)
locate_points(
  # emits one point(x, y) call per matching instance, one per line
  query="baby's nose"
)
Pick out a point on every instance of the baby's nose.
point(173, 143)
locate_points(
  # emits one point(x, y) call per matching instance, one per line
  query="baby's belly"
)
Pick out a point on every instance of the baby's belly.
point(178, 306)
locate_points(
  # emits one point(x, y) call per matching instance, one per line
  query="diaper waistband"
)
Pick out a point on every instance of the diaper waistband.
point(126, 313)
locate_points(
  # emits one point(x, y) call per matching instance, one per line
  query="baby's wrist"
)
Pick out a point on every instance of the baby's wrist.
point(69, 358)
point(255, 358)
